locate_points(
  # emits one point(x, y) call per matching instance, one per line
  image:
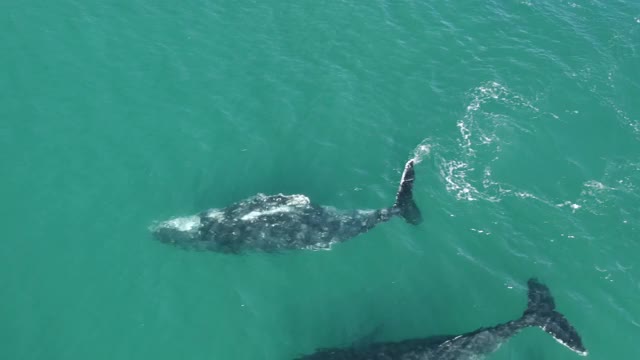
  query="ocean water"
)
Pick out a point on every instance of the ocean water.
point(524, 115)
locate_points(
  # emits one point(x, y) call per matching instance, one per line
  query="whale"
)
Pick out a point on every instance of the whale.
point(475, 345)
point(276, 223)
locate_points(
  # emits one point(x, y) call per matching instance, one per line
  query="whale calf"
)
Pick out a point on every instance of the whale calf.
point(272, 223)
point(474, 345)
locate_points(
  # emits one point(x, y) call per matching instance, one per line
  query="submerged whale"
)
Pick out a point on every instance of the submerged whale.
point(282, 222)
point(474, 345)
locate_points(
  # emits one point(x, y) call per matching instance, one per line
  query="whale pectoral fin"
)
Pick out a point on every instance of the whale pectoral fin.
point(405, 205)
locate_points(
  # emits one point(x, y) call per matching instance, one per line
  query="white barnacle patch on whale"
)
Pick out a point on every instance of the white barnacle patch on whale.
point(257, 213)
point(298, 200)
point(186, 223)
point(365, 213)
point(215, 214)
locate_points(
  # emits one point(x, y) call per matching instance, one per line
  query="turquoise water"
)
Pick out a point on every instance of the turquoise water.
point(525, 117)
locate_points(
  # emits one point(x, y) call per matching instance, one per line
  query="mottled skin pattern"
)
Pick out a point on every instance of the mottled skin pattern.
point(470, 346)
point(272, 223)
point(302, 226)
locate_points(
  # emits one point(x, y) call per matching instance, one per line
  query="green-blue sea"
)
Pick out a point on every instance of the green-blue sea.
point(524, 117)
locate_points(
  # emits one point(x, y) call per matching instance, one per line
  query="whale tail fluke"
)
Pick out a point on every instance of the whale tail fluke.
point(541, 313)
point(405, 205)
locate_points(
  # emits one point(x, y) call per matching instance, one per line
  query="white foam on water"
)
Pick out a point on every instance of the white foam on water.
point(422, 151)
point(463, 162)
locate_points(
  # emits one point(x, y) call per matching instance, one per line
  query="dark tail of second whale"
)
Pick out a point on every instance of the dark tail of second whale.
point(405, 205)
point(541, 313)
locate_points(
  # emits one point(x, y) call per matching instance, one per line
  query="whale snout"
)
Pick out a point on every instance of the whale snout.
point(177, 231)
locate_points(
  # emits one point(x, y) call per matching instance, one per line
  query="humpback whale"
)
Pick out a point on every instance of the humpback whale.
point(474, 345)
point(272, 223)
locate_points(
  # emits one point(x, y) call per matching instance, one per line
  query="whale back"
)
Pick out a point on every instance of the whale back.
point(272, 223)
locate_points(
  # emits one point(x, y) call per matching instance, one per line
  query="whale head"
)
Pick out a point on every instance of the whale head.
point(179, 231)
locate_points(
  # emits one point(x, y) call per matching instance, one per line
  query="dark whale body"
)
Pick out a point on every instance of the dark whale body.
point(272, 223)
point(474, 345)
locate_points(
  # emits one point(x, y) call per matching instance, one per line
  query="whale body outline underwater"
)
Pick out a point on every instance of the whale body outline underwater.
point(474, 345)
